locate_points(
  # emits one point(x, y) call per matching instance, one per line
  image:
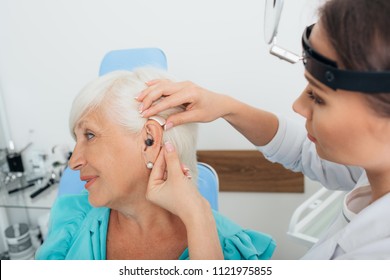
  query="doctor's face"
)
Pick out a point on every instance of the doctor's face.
point(340, 123)
point(109, 159)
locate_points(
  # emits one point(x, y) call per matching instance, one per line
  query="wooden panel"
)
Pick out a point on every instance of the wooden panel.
point(249, 171)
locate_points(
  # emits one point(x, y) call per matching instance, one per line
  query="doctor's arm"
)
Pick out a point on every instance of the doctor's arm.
point(258, 126)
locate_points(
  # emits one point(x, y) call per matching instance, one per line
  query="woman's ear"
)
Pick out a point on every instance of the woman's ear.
point(152, 137)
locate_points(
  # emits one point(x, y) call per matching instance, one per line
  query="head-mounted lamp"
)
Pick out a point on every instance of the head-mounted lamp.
point(327, 72)
point(323, 69)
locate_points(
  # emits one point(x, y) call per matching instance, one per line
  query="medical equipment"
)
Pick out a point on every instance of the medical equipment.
point(19, 242)
point(323, 69)
point(272, 13)
point(328, 73)
point(52, 181)
point(310, 220)
point(21, 188)
point(149, 142)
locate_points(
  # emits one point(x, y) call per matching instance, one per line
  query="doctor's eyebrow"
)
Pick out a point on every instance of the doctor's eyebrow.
point(315, 83)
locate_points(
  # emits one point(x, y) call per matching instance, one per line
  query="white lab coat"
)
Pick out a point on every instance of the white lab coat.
point(364, 234)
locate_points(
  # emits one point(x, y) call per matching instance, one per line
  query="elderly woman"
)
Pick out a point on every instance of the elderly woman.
point(118, 217)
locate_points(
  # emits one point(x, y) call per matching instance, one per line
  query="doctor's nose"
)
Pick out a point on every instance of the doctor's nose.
point(77, 160)
point(303, 106)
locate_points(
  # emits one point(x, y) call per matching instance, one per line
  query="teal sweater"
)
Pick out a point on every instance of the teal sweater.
point(78, 231)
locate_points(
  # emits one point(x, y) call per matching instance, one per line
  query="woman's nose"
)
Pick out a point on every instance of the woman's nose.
point(302, 106)
point(77, 160)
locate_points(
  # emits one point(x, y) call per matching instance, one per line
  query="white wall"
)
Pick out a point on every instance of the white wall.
point(50, 49)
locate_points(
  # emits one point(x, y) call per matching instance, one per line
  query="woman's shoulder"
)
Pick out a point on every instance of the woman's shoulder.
point(71, 206)
point(73, 200)
point(71, 217)
point(67, 214)
point(241, 243)
point(76, 210)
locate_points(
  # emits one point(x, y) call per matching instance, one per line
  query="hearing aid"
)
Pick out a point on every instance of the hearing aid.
point(149, 142)
point(161, 121)
point(158, 119)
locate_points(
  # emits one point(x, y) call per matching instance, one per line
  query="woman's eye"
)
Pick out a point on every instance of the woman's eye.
point(314, 97)
point(89, 135)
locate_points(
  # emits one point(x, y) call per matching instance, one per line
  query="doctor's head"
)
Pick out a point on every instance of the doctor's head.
point(115, 146)
point(348, 123)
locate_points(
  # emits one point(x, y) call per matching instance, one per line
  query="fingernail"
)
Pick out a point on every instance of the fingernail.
point(136, 97)
point(143, 113)
point(187, 172)
point(168, 125)
point(169, 147)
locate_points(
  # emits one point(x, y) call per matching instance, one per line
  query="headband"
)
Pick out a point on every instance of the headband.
point(327, 72)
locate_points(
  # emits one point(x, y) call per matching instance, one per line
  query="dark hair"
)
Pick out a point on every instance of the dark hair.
point(359, 31)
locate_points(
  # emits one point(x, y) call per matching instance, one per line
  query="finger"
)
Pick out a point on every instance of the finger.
point(152, 82)
point(152, 94)
point(184, 168)
point(186, 171)
point(149, 88)
point(174, 100)
point(164, 104)
point(158, 171)
point(181, 118)
point(161, 89)
point(154, 90)
point(172, 161)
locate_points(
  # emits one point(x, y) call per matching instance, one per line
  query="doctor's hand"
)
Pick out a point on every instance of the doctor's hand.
point(201, 105)
point(171, 187)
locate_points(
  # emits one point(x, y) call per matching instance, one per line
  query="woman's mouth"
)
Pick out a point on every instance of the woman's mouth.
point(311, 138)
point(89, 180)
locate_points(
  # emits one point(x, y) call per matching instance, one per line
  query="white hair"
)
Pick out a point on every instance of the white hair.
point(115, 93)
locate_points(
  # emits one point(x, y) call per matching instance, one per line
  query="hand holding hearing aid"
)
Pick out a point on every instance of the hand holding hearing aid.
point(201, 104)
point(170, 185)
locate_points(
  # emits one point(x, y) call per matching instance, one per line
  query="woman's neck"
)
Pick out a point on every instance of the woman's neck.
point(145, 217)
point(149, 234)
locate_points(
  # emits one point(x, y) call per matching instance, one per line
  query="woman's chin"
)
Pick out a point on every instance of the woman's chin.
point(95, 202)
